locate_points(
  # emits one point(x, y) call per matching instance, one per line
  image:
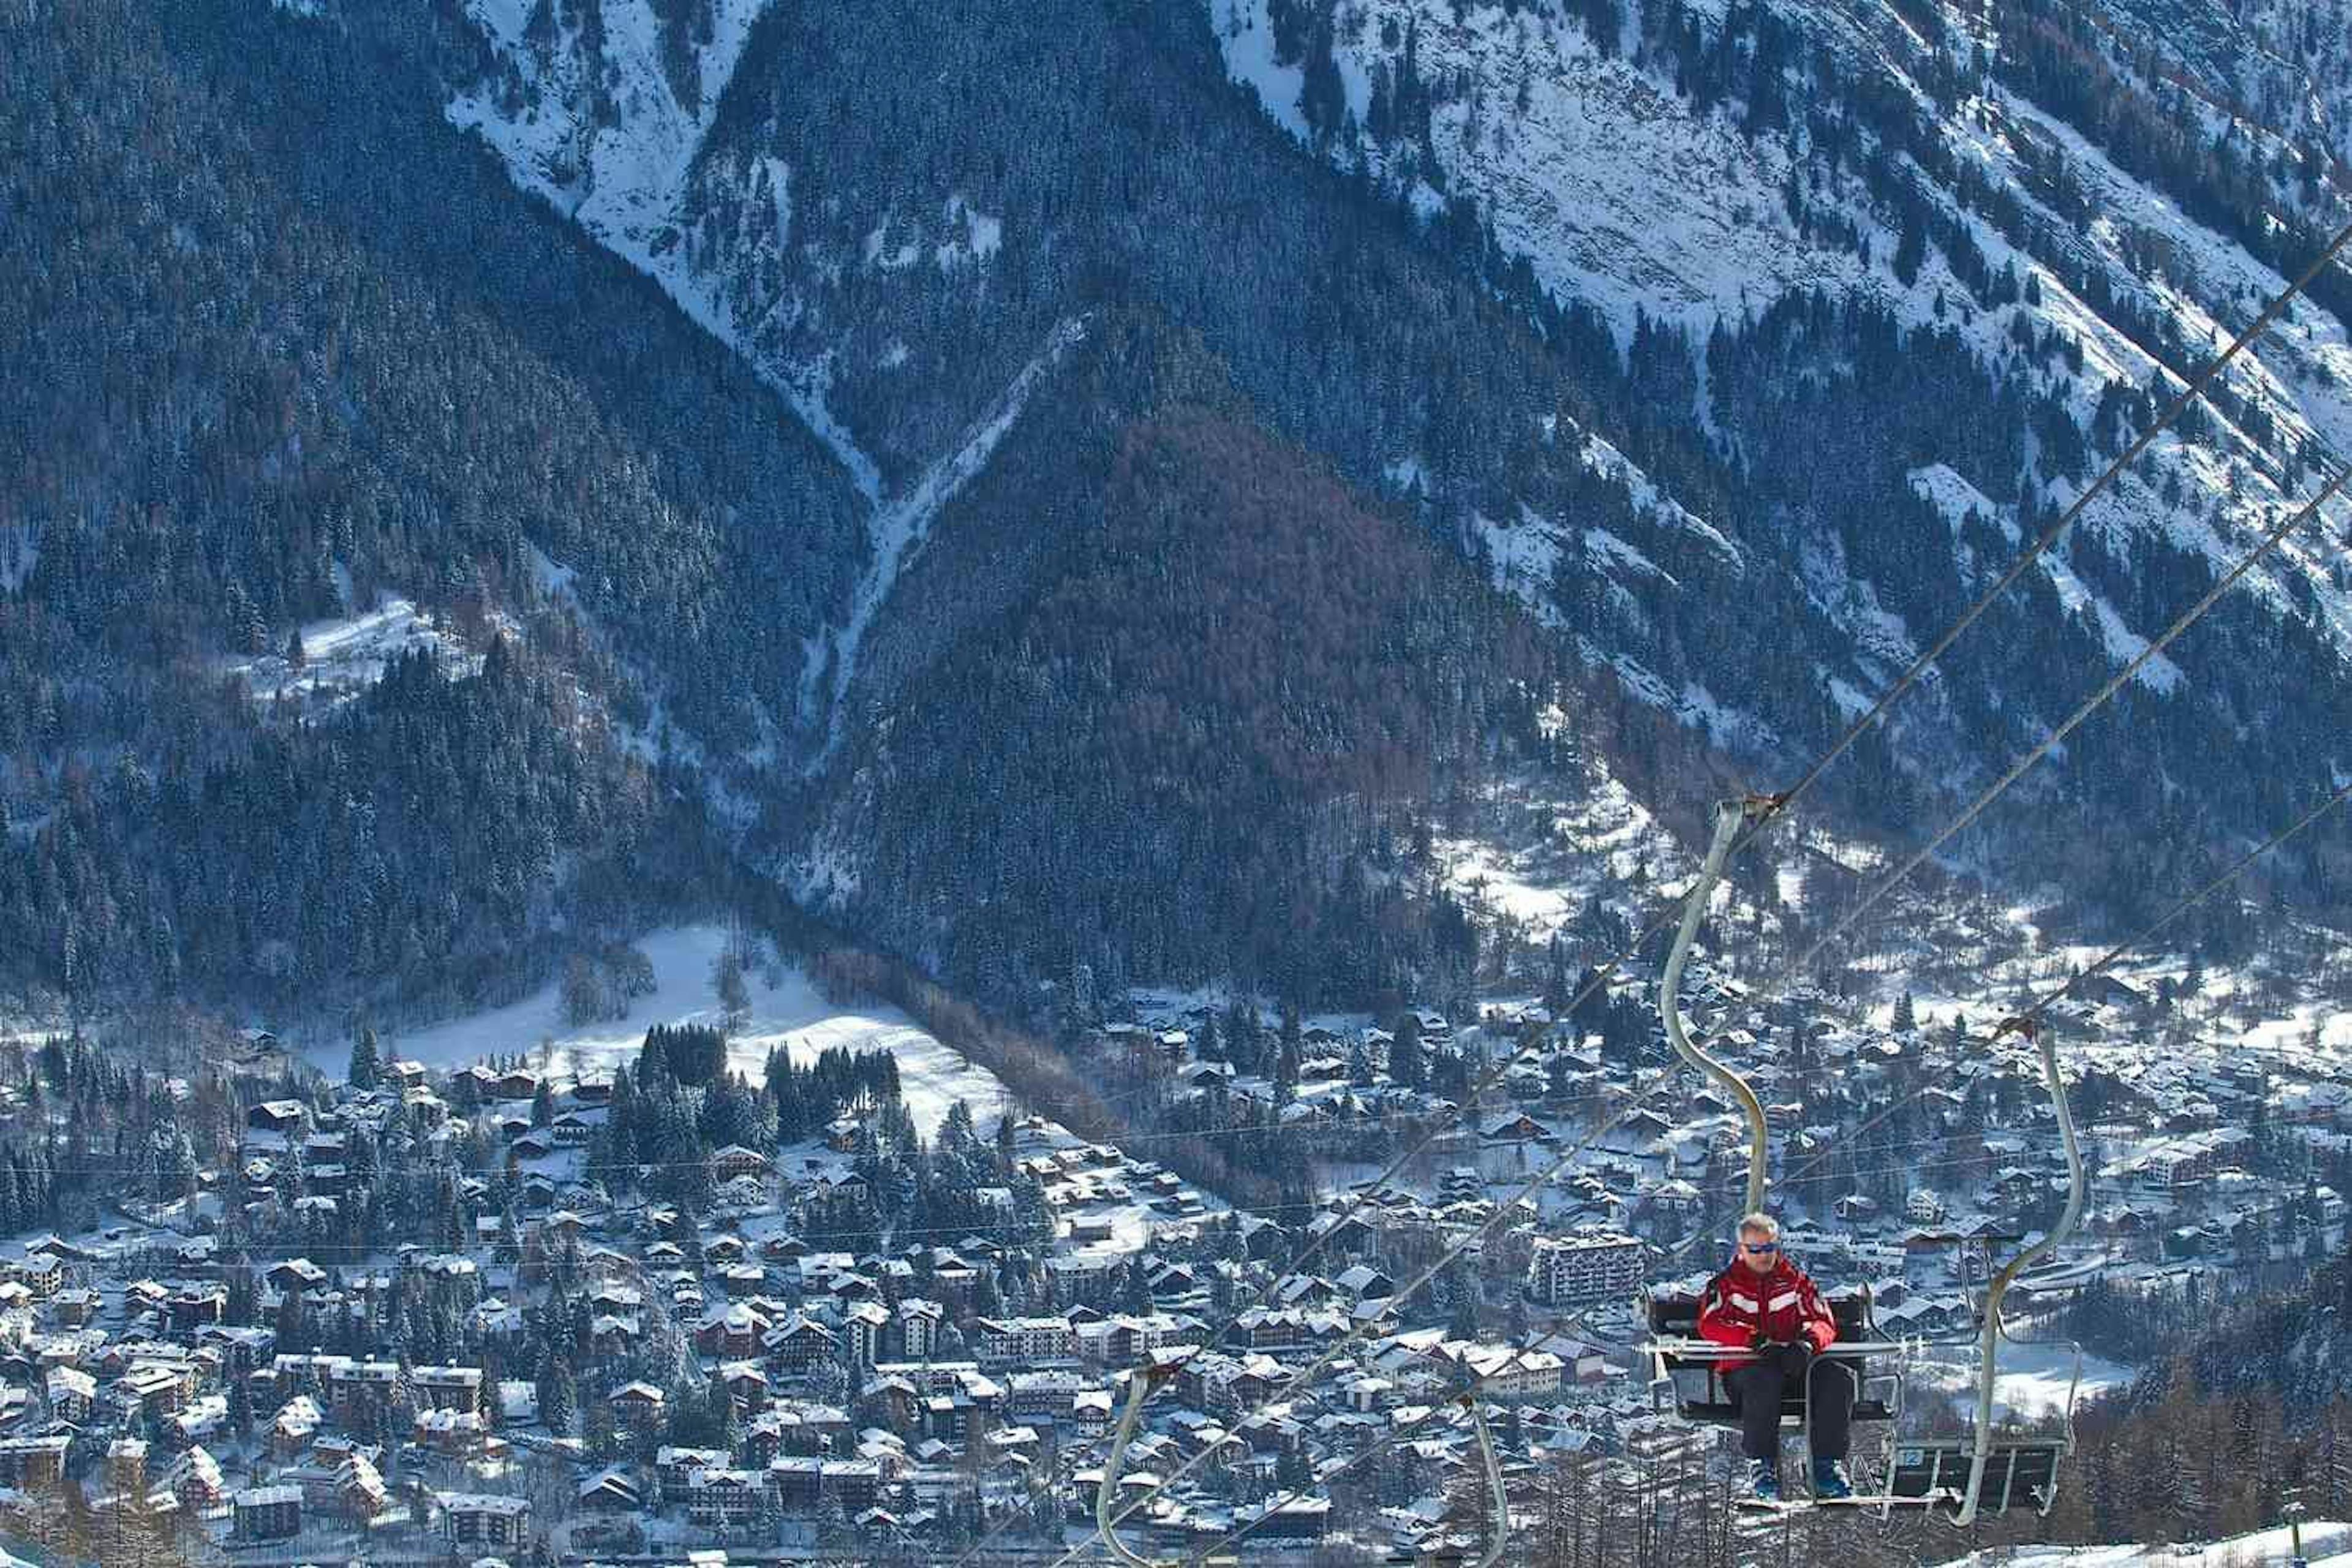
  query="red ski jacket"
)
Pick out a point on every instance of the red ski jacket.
point(1783, 1304)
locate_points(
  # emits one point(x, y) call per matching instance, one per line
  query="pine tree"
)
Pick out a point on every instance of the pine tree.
point(365, 1069)
point(558, 1397)
point(1408, 1065)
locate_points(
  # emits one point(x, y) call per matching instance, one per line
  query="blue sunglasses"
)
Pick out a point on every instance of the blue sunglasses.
point(1760, 1245)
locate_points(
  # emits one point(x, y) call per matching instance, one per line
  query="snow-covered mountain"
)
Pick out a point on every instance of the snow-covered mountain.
point(1651, 381)
point(1832, 307)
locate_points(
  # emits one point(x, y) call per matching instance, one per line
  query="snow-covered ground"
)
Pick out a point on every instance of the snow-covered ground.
point(792, 1015)
point(344, 658)
point(2323, 1542)
point(1589, 845)
point(2033, 1380)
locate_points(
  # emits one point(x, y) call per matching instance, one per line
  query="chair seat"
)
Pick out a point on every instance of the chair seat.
point(2018, 1473)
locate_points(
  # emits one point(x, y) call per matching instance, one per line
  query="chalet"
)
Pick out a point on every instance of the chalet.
point(747, 1385)
point(735, 1161)
point(194, 1477)
point(611, 1491)
point(718, 1498)
point(675, 1467)
point(1026, 1342)
point(360, 1491)
point(918, 1327)
point(803, 1344)
point(362, 1393)
point(639, 1405)
point(284, 1117)
point(737, 1331)
point(73, 1394)
point(1516, 1129)
point(448, 1387)
point(296, 1277)
point(453, 1432)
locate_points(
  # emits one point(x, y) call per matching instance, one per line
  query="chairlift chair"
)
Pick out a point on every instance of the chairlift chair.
point(1674, 1346)
point(1687, 1371)
point(1986, 1472)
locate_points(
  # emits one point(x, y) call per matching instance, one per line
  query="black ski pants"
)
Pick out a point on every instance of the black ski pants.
point(1757, 1389)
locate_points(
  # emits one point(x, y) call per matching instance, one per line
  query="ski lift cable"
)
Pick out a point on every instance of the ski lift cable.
point(1307, 1376)
point(2048, 537)
point(1771, 808)
point(1762, 812)
point(1470, 1397)
point(1761, 815)
point(2027, 1024)
point(2039, 1009)
point(1729, 822)
point(2271, 539)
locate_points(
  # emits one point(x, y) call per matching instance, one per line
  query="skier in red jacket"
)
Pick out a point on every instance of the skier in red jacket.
point(1764, 1303)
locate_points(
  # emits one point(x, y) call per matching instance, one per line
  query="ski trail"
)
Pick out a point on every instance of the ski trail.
point(897, 528)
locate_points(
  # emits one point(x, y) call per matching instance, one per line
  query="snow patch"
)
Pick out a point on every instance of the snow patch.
point(1524, 558)
point(973, 235)
point(342, 658)
point(622, 184)
point(553, 582)
point(1610, 463)
point(2325, 1545)
point(792, 1014)
point(1246, 32)
point(897, 532)
point(2123, 644)
point(1941, 487)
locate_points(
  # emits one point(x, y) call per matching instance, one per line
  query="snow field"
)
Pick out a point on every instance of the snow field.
point(342, 657)
point(2325, 1545)
point(792, 1015)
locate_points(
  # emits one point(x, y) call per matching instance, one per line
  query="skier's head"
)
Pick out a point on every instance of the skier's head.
point(1760, 1242)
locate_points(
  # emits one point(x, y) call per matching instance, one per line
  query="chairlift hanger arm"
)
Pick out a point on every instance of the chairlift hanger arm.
point(1500, 1497)
point(1990, 1335)
point(1138, 1391)
point(1729, 817)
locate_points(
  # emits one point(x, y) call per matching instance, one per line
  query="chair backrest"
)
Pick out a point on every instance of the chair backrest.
point(1676, 1315)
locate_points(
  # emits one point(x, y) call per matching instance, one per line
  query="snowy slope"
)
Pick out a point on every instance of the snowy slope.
point(1590, 167)
point(606, 136)
point(898, 528)
point(789, 1015)
point(342, 657)
point(2324, 1544)
point(1620, 193)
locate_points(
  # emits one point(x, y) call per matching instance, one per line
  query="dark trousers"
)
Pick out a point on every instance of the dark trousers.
point(1757, 1389)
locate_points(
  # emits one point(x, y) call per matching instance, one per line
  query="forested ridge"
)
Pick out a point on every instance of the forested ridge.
point(1184, 677)
point(279, 341)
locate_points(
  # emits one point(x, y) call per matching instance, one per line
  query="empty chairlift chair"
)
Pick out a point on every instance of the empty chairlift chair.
point(1986, 1472)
